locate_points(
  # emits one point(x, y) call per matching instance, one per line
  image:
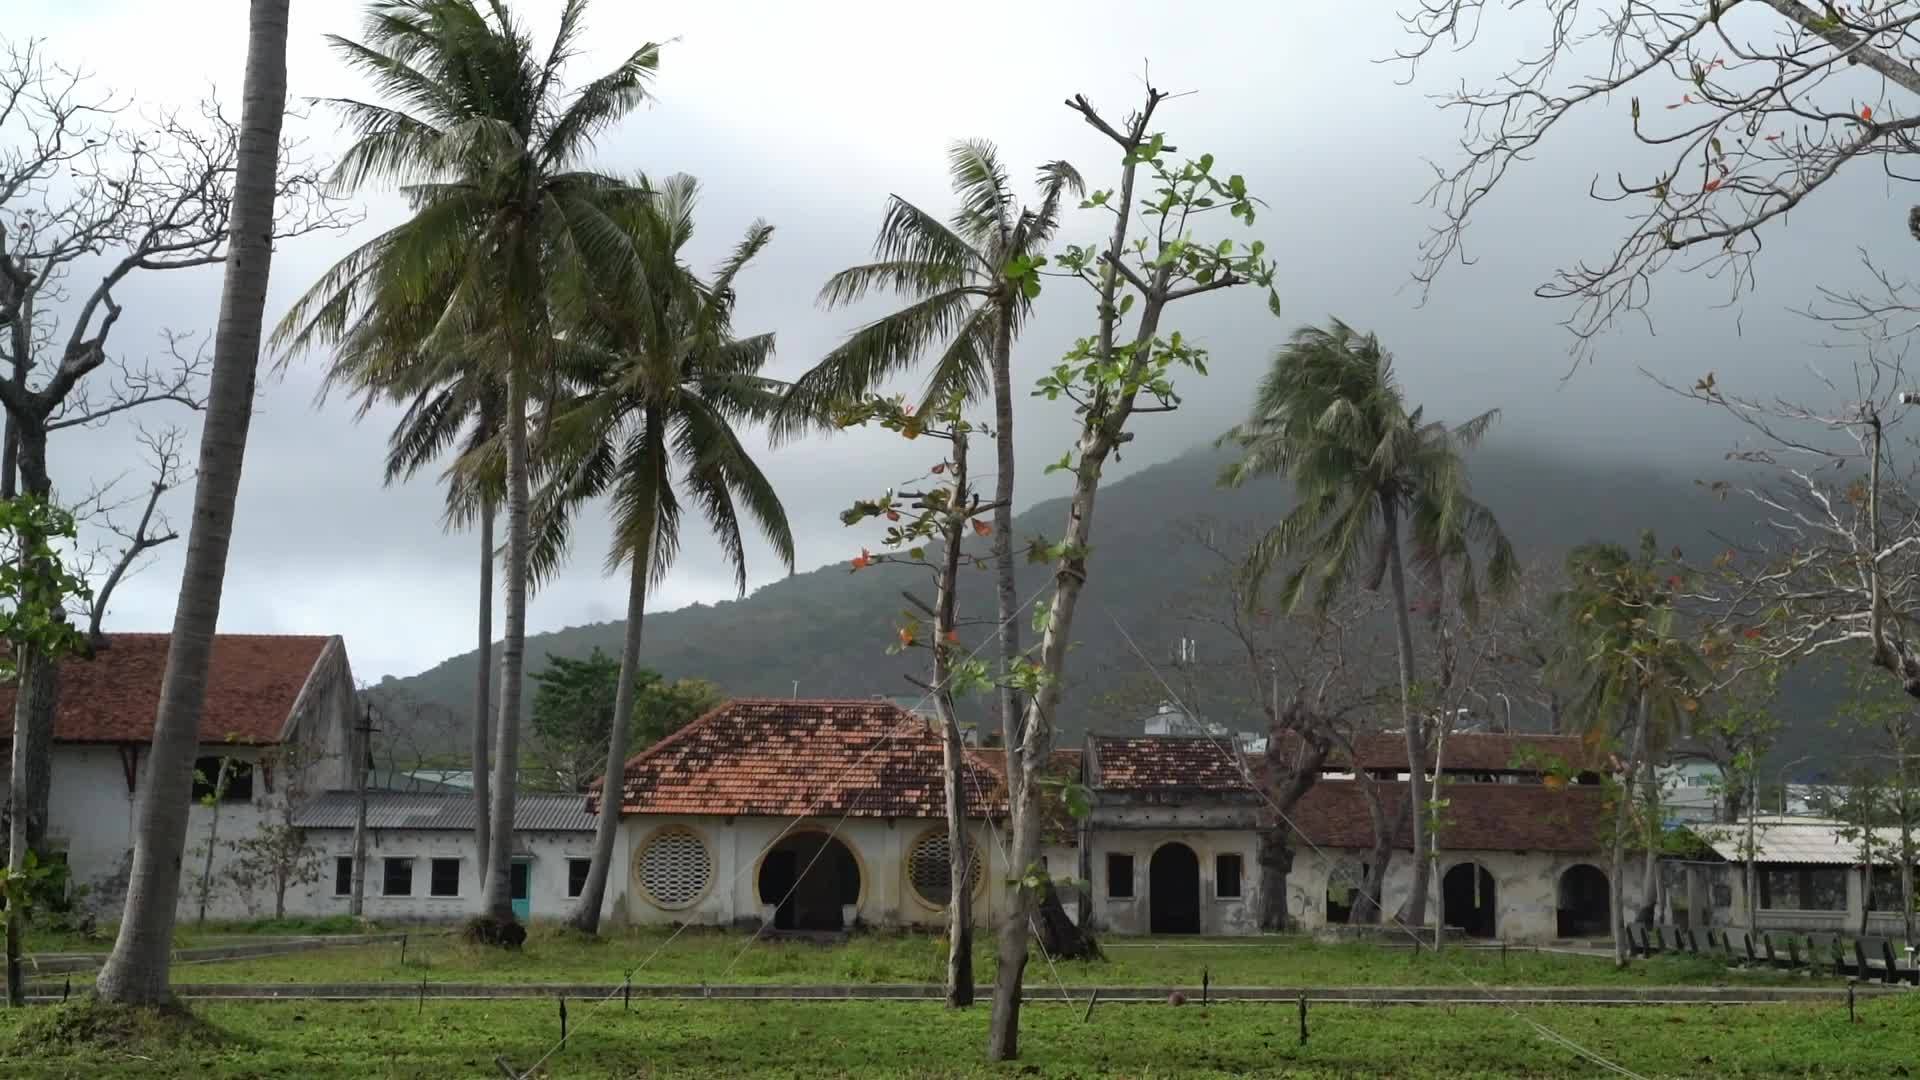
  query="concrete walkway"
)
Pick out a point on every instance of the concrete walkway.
point(1381, 995)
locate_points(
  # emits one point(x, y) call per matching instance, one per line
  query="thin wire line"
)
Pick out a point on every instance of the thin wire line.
point(999, 628)
point(1240, 766)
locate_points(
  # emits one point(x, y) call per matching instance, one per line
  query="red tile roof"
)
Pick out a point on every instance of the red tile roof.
point(786, 758)
point(1479, 817)
point(1163, 762)
point(252, 683)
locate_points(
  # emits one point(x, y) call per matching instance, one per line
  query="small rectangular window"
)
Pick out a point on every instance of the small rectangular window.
point(230, 778)
point(1119, 876)
point(445, 879)
point(1226, 877)
point(577, 876)
point(397, 877)
point(343, 875)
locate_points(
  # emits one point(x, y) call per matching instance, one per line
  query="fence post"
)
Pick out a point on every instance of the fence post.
point(1303, 1018)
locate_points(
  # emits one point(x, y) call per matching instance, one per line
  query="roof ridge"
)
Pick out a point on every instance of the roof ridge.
point(706, 718)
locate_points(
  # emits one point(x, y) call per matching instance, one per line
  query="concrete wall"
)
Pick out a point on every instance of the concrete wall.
point(737, 845)
point(547, 855)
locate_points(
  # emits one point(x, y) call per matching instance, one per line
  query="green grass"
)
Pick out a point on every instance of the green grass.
point(715, 957)
point(923, 1039)
point(188, 935)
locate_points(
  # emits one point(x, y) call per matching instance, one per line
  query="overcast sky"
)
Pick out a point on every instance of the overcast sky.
point(809, 120)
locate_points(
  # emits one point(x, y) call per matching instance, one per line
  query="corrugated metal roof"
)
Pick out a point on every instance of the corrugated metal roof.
point(442, 812)
point(1777, 839)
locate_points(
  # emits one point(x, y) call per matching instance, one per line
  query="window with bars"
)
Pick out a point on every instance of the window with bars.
point(1803, 888)
point(929, 870)
point(396, 878)
point(675, 868)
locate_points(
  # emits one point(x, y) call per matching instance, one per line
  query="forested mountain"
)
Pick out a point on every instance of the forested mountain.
point(825, 632)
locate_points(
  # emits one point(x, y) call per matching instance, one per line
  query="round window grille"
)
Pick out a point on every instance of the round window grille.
point(675, 868)
point(929, 873)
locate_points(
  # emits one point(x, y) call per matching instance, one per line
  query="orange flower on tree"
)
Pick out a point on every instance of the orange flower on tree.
point(906, 636)
point(982, 528)
point(865, 560)
point(953, 636)
point(1866, 113)
point(893, 515)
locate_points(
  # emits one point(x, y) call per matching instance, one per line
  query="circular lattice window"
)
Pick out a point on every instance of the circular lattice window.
point(674, 868)
point(929, 873)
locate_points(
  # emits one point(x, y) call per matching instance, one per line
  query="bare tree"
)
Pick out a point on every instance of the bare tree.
point(90, 198)
point(1744, 108)
point(136, 524)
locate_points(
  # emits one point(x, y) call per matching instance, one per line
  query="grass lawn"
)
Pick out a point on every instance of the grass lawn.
point(923, 1039)
point(710, 956)
point(188, 935)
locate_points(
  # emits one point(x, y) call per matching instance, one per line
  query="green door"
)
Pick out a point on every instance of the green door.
point(518, 878)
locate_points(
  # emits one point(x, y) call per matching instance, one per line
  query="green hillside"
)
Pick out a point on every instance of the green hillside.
point(827, 630)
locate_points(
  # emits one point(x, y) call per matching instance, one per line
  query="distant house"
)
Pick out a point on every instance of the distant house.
point(278, 720)
point(1809, 871)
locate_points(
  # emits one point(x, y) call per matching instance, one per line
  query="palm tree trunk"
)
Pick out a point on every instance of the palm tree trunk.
point(586, 917)
point(496, 900)
point(1414, 912)
point(1006, 595)
point(136, 973)
point(482, 687)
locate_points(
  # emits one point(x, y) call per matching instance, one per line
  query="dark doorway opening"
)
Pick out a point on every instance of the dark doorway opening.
point(809, 877)
point(1173, 890)
point(1584, 902)
point(1467, 899)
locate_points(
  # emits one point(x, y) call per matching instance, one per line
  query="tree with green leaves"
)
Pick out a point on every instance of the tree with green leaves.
point(1124, 368)
point(507, 235)
point(1636, 678)
point(1374, 481)
point(573, 705)
point(969, 291)
point(656, 384)
point(36, 586)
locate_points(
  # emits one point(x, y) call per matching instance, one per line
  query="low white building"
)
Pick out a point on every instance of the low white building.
point(1811, 874)
point(277, 726)
point(422, 864)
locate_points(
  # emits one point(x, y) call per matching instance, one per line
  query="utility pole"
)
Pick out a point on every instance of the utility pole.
point(362, 749)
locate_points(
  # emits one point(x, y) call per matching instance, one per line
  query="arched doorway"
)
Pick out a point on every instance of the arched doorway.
point(1584, 902)
point(1467, 899)
point(808, 877)
point(1173, 890)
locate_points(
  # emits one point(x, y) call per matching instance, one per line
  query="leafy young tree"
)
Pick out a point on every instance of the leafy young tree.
point(1104, 375)
point(35, 589)
point(942, 512)
point(487, 143)
point(136, 973)
point(1370, 479)
point(573, 702)
point(273, 858)
point(963, 301)
point(660, 382)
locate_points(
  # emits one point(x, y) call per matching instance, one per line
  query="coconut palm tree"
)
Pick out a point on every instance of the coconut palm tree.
point(657, 383)
point(1371, 478)
point(486, 143)
point(137, 971)
point(450, 403)
point(1633, 677)
point(961, 302)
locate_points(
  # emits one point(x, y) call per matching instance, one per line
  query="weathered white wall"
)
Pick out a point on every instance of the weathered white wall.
point(546, 854)
point(736, 845)
point(90, 815)
point(1218, 915)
